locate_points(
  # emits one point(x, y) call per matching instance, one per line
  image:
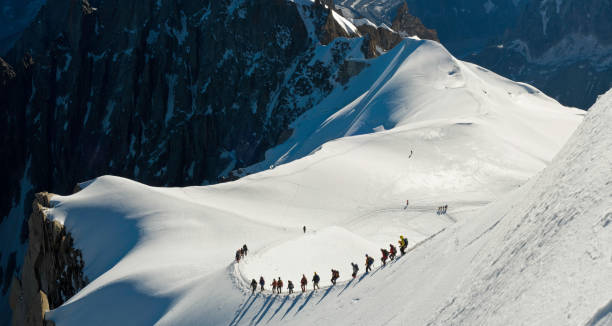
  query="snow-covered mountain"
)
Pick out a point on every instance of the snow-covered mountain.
point(415, 124)
point(166, 92)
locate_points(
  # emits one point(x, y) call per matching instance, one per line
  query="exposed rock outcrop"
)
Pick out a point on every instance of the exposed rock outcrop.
point(6, 73)
point(377, 39)
point(52, 270)
point(409, 25)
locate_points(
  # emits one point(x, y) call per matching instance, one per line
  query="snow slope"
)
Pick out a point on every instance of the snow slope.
point(416, 124)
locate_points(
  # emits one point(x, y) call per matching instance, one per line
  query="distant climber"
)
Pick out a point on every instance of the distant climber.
point(369, 262)
point(392, 251)
point(315, 281)
point(262, 282)
point(335, 276)
point(407, 202)
point(355, 270)
point(274, 284)
point(245, 249)
point(304, 282)
point(410, 156)
point(254, 285)
point(279, 285)
point(290, 286)
point(304, 228)
point(385, 255)
point(445, 208)
point(237, 256)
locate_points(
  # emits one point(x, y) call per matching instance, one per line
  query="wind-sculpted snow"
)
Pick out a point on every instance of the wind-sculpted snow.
point(415, 125)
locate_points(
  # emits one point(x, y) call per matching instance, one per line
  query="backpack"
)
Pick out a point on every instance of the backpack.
point(370, 261)
point(316, 278)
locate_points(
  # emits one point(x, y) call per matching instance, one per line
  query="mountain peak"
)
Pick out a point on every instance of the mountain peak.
point(408, 25)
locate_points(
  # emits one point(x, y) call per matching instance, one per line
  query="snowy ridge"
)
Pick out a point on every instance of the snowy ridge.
point(415, 124)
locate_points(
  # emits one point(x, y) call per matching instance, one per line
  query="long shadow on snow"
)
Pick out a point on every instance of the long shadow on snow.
point(265, 311)
point(243, 309)
point(144, 308)
point(263, 306)
point(326, 293)
point(279, 307)
point(346, 286)
point(297, 298)
point(305, 302)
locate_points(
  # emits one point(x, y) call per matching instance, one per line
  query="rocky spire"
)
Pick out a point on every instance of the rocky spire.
point(409, 25)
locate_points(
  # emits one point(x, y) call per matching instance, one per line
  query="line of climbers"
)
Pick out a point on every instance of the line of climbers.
point(277, 285)
point(240, 253)
point(442, 210)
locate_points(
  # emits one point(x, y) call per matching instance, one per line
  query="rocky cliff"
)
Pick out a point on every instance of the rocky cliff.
point(52, 270)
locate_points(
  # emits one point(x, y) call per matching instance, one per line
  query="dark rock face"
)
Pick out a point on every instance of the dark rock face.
point(409, 25)
point(563, 48)
point(52, 271)
point(153, 93)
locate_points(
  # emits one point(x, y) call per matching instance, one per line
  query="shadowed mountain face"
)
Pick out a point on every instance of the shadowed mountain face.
point(463, 26)
point(15, 16)
point(562, 47)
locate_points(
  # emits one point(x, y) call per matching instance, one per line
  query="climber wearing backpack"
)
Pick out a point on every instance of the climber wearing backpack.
point(315, 281)
point(290, 286)
point(335, 276)
point(244, 249)
point(355, 270)
point(304, 282)
point(403, 242)
point(262, 282)
point(392, 251)
point(274, 285)
point(369, 262)
point(238, 256)
point(279, 285)
point(253, 285)
point(385, 255)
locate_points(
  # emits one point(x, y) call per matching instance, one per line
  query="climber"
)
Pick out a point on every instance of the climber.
point(403, 242)
point(369, 262)
point(355, 270)
point(290, 286)
point(335, 276)
point(279, 285)
point(254, 285)
point(392, 251)
point(315, 281)
point(385, 255)
point(238, 256)
point(245, 249)
point(304, 282)
point(304, 228)
point(262, 282)
point(274, 284)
